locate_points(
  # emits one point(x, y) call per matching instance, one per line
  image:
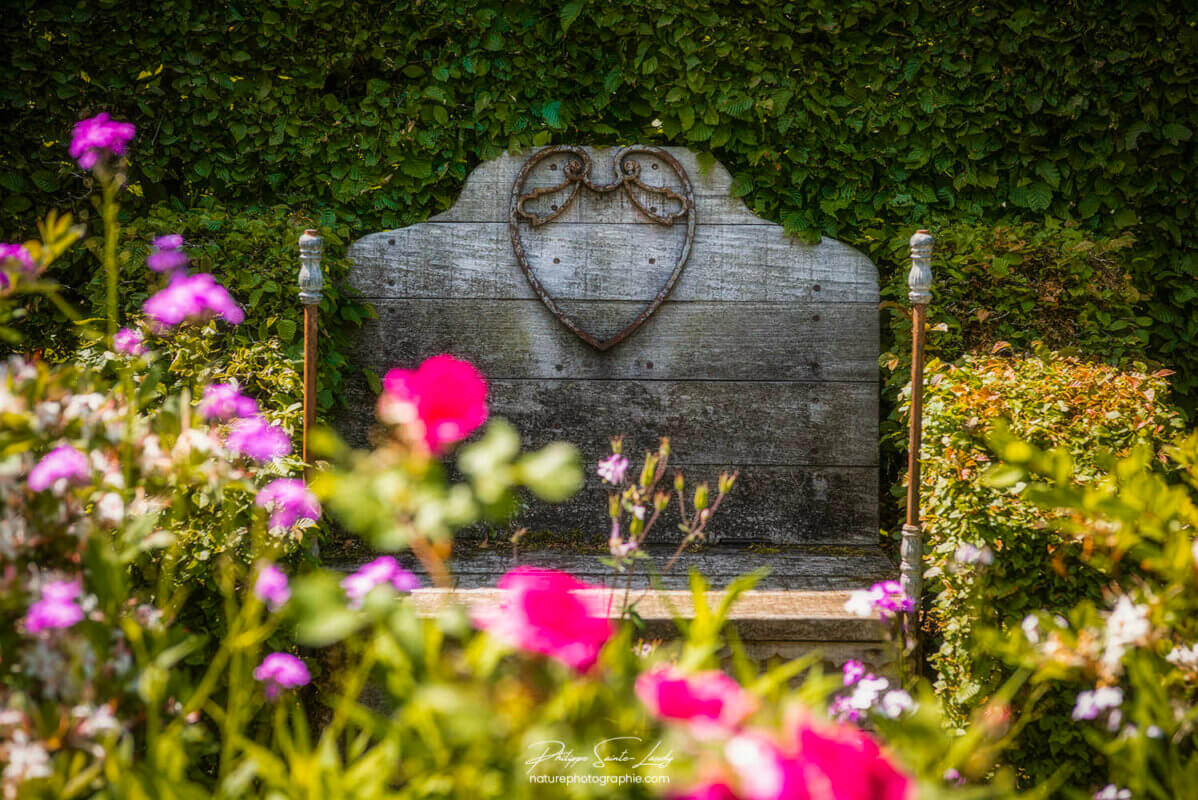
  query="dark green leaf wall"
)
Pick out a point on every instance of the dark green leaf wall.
point(837, 117)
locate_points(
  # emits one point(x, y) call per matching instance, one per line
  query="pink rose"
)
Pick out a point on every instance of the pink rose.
point(447, 395)
point(542, 612)
point(845, 763)
point(710, 700)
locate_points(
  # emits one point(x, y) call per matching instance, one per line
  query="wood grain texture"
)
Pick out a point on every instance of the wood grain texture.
point(763, 358)
point(727, 263)
point(737, 423)
point(768, 505)
point(791, 341)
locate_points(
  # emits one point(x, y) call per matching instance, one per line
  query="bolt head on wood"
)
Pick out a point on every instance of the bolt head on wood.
point(311, 281)
point(919, 279)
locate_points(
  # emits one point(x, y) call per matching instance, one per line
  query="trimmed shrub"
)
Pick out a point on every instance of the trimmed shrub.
point(1090, 410)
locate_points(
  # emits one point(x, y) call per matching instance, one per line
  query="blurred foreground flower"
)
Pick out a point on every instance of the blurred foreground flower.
point(129, 341)
point(258, 439)
point(98, 138)
point(542, 612)
point(56, 608)
point(383, 570)
point(279, 671)
point(64, 463)
point(192, 298)
point(224, 401)
point(710, 701)
point(272, 587)
point(445, 398)
point(289, 501)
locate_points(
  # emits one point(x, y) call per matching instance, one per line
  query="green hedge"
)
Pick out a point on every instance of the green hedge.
point(1049, 400)
point(254, 254)
point(836, 117)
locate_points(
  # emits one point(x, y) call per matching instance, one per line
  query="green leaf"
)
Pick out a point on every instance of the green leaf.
point(570, 11)
point(286, 329)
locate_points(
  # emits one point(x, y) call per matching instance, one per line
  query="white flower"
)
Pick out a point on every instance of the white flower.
point(1031, 628)
point(866, 692)
point(895, 703)
point(860, 603)
point(1091, 704)
point(110, 509)
point(26, 760)
point(1184, 657)
point(1112, 792)
point(95, 720)
point(1127, 624)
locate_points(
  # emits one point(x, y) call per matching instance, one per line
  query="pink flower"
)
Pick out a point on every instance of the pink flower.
point(383, 570)
point(168, 255)
point(449, 397)
point(543, 612)
point(281, 671)
point(192, 298)
point(56, 608)
point(63, 463)
point(711, 790)
point(853, 671)
point(224, 401)
point(289, 500)
point(885, 598)
point(99, 137)
point(129, 341)
point(845, 763)
point(832, 762)
point(18, 253)
point(272, 587)
point(612, 468)
point(258, 439)
point(709, 700)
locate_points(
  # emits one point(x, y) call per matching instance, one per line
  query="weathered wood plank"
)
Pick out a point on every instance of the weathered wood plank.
point(727, 263)
point(791, 568)
point(682, 341)
point(738, 423)
point(768, 505)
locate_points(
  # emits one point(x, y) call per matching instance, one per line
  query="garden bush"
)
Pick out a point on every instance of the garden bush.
point(106, 690)
point(1020, 284)
point(1129, 659)
point(1086, 409)
point(835, 118)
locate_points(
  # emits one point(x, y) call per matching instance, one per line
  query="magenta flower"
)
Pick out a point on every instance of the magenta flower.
point(63, 463)
point(224, 401)
point(192, 298)
point(710, 701)
point(129, 341)
point(853, 671)
point(56, 608)
point(279, 671)
point(612, 468)
point(885, 598)
point(18, 253)
point(544, 611)
point(99, 138)
point(289, 500)
point(447, 397)
point(383, 570)
point(167, 255)
point(272, 587)
point(258, 439)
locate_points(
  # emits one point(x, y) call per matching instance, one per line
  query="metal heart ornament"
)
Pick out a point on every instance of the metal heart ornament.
point(622, 256)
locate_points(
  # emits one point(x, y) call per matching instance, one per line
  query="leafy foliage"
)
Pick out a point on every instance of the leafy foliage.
point(1086, 410)
point(835, 118)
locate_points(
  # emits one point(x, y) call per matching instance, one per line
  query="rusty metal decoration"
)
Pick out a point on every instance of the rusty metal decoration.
point(577, 177)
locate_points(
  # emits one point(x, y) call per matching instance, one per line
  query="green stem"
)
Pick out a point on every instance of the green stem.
point(108, 210)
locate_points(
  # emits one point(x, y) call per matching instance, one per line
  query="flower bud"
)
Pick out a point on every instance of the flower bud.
point(726, 481)
point(664, 449)
point(679, 482)
point(617, 444)
point(701, 496)
point(704, 515)
point(613, 506)
point(647, 471)
point(661, 500)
